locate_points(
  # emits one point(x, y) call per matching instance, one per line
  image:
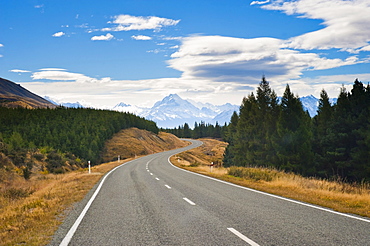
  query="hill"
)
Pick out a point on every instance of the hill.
point(134, 142)
point(13, 95)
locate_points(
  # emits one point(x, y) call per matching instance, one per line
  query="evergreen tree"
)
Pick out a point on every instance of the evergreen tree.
point(294, 141)
point(322, 134)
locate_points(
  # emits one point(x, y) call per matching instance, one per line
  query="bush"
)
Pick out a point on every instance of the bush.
point(255, 174)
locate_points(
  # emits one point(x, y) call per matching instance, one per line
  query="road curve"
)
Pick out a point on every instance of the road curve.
point(150, 202)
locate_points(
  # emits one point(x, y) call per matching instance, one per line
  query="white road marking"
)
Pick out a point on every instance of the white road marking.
point(74, 227)
point(169, 187)
point(190, 202)
point(249, 241)
point(151, 174)
point(275, 196)
point(157, 178)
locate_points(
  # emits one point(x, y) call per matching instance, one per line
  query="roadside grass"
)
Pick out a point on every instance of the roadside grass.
point(31, 211)
point(335, 194)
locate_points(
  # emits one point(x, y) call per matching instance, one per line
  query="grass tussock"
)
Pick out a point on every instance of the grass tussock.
point(336, 194)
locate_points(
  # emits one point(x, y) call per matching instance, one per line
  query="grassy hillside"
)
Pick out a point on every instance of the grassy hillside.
point(135, 142)
point(31, 210)
point(13, 95)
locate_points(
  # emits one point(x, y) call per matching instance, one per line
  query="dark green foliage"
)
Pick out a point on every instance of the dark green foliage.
point(335, 143)
point(82, 132)
point(200, 131)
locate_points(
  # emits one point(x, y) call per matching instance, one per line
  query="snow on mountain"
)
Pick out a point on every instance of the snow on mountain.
point(122, 107)
point(173, 111)
point(310, 104)
point(64, 104)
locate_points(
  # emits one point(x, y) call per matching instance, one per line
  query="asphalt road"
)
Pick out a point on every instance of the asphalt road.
point(150, 202)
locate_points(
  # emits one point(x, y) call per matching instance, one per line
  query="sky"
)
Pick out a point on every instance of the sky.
point(103, 52)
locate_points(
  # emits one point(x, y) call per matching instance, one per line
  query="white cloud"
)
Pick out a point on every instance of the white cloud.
point(106, 37)
point(62, 75)
point(19, 71)
point(227, 59)
point(346, 23)
point(59, 34)
point(128, 22)
point(1, 45)
point(141, 37)
point(259, 2)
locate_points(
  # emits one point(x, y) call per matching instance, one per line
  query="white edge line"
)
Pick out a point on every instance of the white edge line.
point(190, 202)
point(275, 196)
point(74, 227)
point(249, 241)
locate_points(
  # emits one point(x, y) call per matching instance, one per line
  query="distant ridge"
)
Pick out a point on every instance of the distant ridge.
point(13, 95)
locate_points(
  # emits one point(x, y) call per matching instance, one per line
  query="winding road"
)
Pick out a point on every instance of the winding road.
point(149, 201)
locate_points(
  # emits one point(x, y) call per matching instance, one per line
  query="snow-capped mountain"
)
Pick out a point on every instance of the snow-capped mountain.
point(65, 104)
point(122, 107)
point(310, 103)
point(173, 111)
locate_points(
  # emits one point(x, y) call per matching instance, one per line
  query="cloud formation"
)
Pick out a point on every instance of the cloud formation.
point(106, 37)
point(62, 75)
point(346, 23)
point(128, 23)
point(58, 34)
point(19, 71)
point(227, 59)
point(141, 37)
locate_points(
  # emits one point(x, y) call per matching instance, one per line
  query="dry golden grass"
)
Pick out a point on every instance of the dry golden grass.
point(134, 142)
point(340, 196)
point(31, 211)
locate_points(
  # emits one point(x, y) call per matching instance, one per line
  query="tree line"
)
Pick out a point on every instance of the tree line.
point(76, 135)
point(200, 130)
point(280, 134)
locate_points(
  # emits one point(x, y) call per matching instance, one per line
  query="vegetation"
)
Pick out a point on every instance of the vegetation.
point(64, 138)
point(200, 130)
point(334, 144)
point(31, 210)
point(341, 196)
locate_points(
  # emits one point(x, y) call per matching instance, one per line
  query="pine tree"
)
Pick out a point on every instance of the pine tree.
point(322, 134)
point(293, 144)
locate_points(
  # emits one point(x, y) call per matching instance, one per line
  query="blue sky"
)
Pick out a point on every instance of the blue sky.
point(101, 52)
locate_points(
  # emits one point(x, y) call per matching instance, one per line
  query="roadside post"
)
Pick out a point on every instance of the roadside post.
point(211, 166)
point(89, 167)
point(119, 158)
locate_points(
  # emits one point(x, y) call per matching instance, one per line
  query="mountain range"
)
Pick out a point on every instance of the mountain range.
point(172, 111)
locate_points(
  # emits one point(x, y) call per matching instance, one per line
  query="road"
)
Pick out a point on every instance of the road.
point(150, 202)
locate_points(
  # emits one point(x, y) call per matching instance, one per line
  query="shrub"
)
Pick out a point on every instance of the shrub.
point(254, 174)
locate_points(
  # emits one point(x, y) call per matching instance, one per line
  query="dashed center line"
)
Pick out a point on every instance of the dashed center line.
point(168, 187)
point(151, 174)
point(190, 202)
point(241, 236)
point(157, 178)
